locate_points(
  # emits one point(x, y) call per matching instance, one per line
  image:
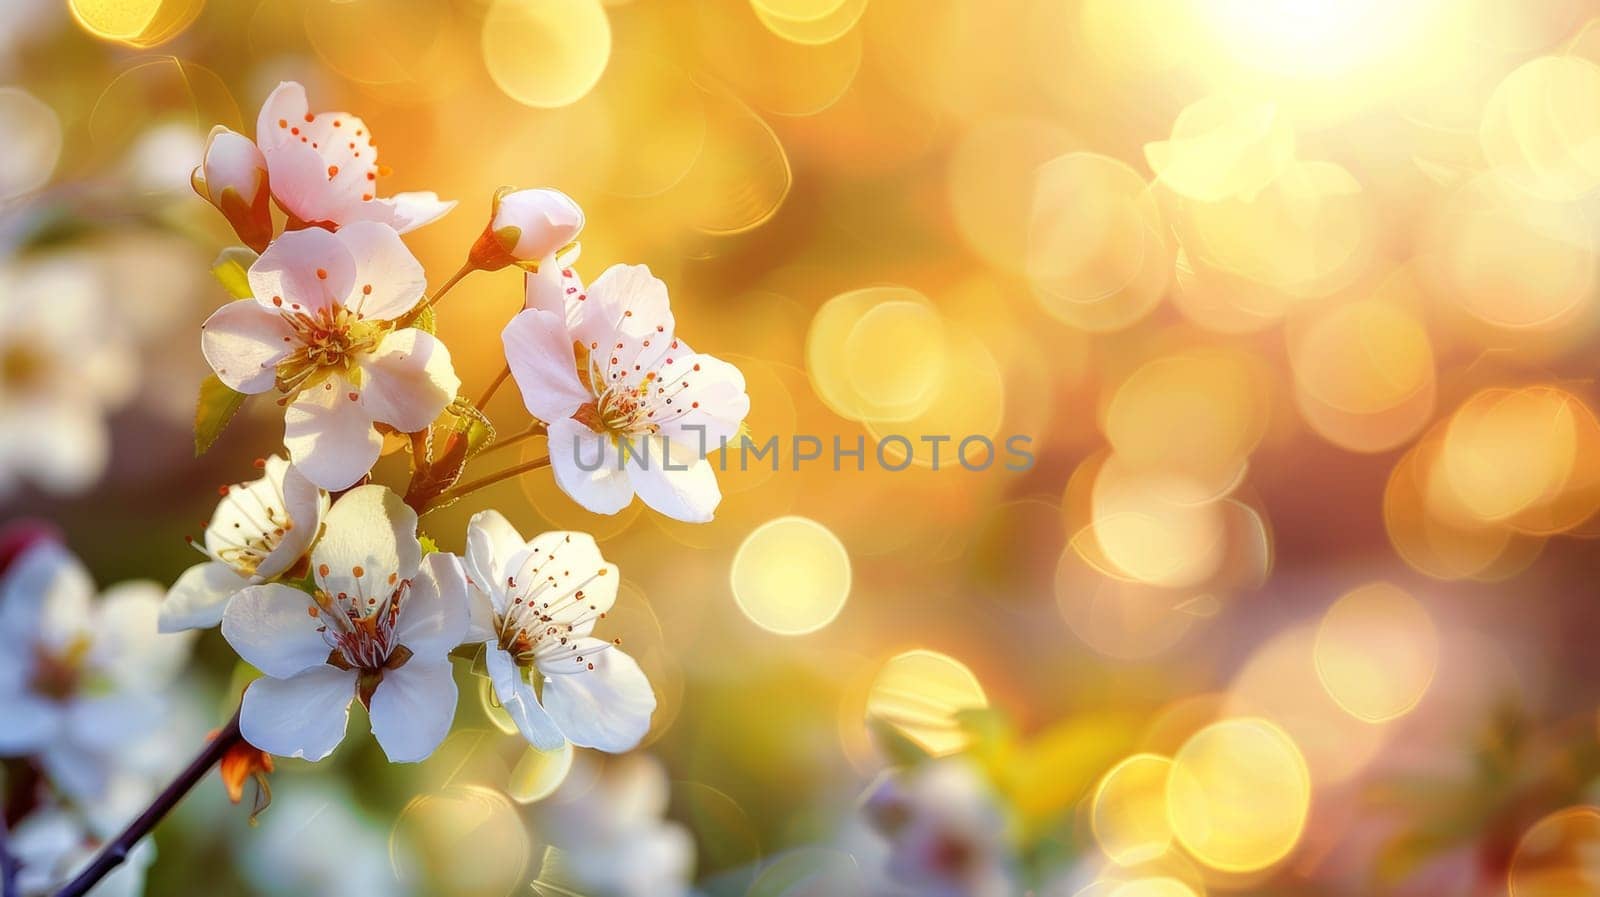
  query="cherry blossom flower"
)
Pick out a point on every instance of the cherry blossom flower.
point(945, 829)
point(379, 627)
point(607, 831)
point(81, 678)
point(62, 368)
point(324, 167)
point(322, 330)
point(232, 176)
point(529, 228)
point(534, 606)
point(630, 408)
point(51, 843)
point(260, 530)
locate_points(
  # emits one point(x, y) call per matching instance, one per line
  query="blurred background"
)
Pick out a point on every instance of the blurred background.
point(1292, 301)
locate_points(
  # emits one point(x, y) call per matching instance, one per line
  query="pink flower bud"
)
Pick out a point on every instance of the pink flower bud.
point(233, 177)
point(527, 227)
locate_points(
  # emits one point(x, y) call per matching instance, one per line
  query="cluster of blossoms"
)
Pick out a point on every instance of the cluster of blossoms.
point(318, 576)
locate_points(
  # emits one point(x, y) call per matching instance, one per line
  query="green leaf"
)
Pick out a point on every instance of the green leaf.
point(230, 270)
point(217, 405)
point(429, 546)
point(425, 320)
point(900, 750)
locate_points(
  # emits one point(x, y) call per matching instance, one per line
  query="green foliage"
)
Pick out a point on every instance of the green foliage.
point(215, 408)
point(230, 270)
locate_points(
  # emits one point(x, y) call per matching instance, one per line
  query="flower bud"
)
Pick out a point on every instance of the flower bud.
point(233, 177)
point(527, 227)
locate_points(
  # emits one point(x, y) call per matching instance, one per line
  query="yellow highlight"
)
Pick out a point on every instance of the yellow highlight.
point(546, 53)
point(1541, 128)
point(466, 838)
point(1129, 812)
point(539, 773)
point(1223, 146)
point(1377, 650)
point(895, 358)
point(1364, 374)
point(920, 692)
point(32, 133)
point(1559, 856)
point(1238, 795)
point(791, 576)
point(137, 23)
point(1152, 887)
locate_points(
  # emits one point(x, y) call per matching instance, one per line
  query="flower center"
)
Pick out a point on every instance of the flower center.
point(543, 619)
point(21, 366)
point(58, 674)
point(328, 341)
point(259, 526)
point(360, 632)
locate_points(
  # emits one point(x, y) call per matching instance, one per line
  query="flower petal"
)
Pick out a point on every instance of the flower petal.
point(303, 270)
point(243, 343)
point(408, 380)
point(31, 722)
point(491, 543)
point(538, 350)
point(368, 528)
point(330, 437)
point(304, 504)
point(405, 212)
point(545, 219)
point(587, 468)
point(302, 716)
point(520, 701)
point(607, 707)
point(128, 644)
point(271, 627)
point(710, 395)
point(675, 481)
point(565, 574)
point(45, 598)
point(388, 278)
point(287, 103)
point(109, 723)
point(196, 600)
point(625, 316)
point(433, 615)
point(412, 709)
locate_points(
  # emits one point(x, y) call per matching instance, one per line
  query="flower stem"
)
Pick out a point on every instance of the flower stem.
point(8, 862)
point(464, 489)
point(115, 852)
point(489, 393)
point(431, 301)
point(538, 429)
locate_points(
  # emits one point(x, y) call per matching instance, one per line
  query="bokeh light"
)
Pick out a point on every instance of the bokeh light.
point(791, 576)
point(1376, 651)
point(920, 693)
point(1238, 795)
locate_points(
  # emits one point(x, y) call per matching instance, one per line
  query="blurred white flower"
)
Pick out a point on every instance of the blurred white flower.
point(321, 330)
point(609, 834)
point(534, 607)
point(81, 678)
point(32, 133)
point(62, 368)
point(946, 831)
point(528, 227)
point(380, 627)
point(259, 531)
point(314, 842)
point(324, 167)
point(51, 843)
point(630, 408)
point(232, 175)
point(161, 160)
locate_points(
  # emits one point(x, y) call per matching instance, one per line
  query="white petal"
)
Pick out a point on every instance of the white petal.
point(690, 494)
point(519, 699)
point(128, 644)
point(45, 598)
point(60, 445)
point(371, 528)
point(607, 708)
point(31, 722)
point(409, 380)
point(626, 304)
point(305, 269)
point(574, 584)
point(302, 716)
point(287, 103)
point(545, 219)
point(109, 723)
point(587, 468)
point(491, 543)
point(304, 504)
point(299, 178)
point(404, 212)
point(709, 395)
point(539, 352)
point(272, 629)
point(196, 600)
point(232, 161)
point(82, 773)
point(243, 343)
point(329, 435)
point(433, 615)
point(386, 266)
point(480, 617)
point(554, 288)
point(412, 709)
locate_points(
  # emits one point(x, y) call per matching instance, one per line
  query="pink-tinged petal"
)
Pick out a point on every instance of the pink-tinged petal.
point(412, 709)
point(405, 212)
point(675, 481)
point(284, 109)
point(555, 288)
point(520, 701)
point(626, 323)
point(31, 723)
point(545, 220)
point(329, 435)
point(539, 352)
point(607, 707)
point(408, 380)
point(243, 343)
point(708, 401)
point(370, 529)
point(271, 627)
point(232, 162)
point(586, 467)
point(433, 615)
point(196, 600)
point(303, 270)
point(299, 178)
point(388, 278)
point(302, 716)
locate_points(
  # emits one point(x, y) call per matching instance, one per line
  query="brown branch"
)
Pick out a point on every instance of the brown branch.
point(450, 495)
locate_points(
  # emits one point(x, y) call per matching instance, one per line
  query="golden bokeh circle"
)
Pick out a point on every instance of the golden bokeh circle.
point(1128, 812)
point(546, 53)
point(791, 576)
point(1377, 650)
point(1238, 795)
point(1559, 856)
point(920, 692)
